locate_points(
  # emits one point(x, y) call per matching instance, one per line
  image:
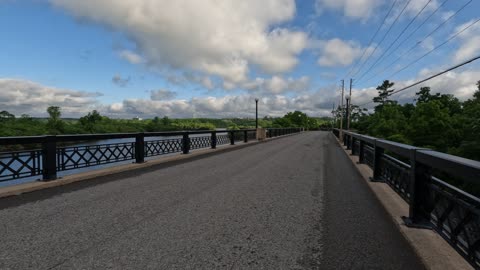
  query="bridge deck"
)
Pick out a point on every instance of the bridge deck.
point(296, 202)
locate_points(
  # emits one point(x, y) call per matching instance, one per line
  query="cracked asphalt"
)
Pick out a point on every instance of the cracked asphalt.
point(292, 203)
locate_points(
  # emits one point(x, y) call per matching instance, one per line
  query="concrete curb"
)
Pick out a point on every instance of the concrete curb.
point(430, 247)
point(201, 153)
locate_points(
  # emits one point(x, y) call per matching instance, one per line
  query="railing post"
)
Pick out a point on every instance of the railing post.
point(352, 145)
point(232, 138)
point(49, 158)
point(349, 141)
point(377, 156)
point(419, 178)
point(245, 136)
point(214, 139)
point(361, 154)
point(186, 143)
point(139, 147)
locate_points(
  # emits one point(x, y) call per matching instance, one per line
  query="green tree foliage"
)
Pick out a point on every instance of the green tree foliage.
point(4, 115)
point(437, 121)
point(296, 119)
point(55, 125)
point(90, 121)
point(384, 91)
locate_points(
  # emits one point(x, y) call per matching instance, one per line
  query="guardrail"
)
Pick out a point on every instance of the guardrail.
point(416, 175)
point(50, 154)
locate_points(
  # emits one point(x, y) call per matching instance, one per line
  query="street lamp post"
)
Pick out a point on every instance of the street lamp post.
point(256, 113)
point(347, 112)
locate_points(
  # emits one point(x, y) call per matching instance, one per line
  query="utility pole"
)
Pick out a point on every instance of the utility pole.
point(341, 118)
point(348, 109)
point(256, 113)
point(333, 116)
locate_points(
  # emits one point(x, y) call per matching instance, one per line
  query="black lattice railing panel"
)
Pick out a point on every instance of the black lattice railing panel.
point(368, 155)
point(162, 147)
point(200, 142)
point(223, 139)
point(396, 174)
point(20, 164)
point(456, 217)
point(69, 158)
point(251, 135)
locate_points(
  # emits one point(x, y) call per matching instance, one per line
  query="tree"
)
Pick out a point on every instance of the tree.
point(469, 146)
point(446, 100)
point(389, 123)
point(90, 121)
point(431, 126)
point(384, 92)
point(55, 125)
point(166, 121)
point(6, 115)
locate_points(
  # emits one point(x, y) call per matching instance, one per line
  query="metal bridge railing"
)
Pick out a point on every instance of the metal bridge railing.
point(420, 176)
point(51, 154)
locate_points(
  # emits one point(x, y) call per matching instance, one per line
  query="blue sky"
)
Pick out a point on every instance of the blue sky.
point(203, 58)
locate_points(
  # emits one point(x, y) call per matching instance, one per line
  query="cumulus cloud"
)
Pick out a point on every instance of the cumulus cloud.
point(162, 94)
point(220, 38)
point(21, 96)
point(119, 81)
point(469, 41)
point(337, 52)
point(277, 85)
point(190, 78)
point(25, 97)
point(130, 56)
point(354, 9)
point(227, 106)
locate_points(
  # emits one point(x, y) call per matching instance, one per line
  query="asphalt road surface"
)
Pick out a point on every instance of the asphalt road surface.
point(292, 203)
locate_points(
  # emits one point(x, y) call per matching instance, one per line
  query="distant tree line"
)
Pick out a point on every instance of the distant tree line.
point(94, 122)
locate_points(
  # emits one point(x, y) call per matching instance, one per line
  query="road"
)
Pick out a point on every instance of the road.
point(292, 203)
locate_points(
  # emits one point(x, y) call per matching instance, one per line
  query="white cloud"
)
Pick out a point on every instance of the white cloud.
point(20, 96)
point(415, 6)
point(469, 41)
point(277, 85)
point(220, 38)
point(131, 57)
point(162, 94)
point(337, 52)
point(354, 9)
point(25, 97)
point(189, 77)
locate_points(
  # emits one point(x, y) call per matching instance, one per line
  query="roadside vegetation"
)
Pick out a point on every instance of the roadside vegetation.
point(438, 121)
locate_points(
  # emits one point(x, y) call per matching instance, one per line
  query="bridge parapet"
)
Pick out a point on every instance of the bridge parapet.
point(423, 178)
point(45, 156)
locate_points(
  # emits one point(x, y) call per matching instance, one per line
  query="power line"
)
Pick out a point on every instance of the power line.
point(431, 77)
point(440, 45)
point(423, 39)
point(383, 38)
point(371, 40)
point(396, 39)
